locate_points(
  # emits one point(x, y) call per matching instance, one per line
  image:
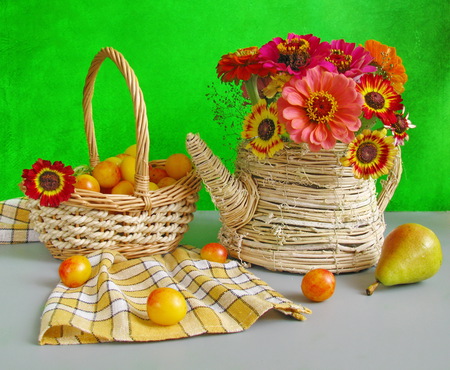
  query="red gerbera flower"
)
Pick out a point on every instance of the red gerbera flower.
point(380, 99)
point(53, 183)
point(241, 65)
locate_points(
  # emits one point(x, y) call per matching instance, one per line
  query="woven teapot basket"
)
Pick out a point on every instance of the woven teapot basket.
point(149, 222)
point(298, 210)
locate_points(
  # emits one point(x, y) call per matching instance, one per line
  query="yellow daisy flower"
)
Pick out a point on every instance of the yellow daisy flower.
point(263, 130)
point(276, 84)
point(371, 154)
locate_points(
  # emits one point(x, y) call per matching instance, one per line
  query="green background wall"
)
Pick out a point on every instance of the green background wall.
point(173, 46)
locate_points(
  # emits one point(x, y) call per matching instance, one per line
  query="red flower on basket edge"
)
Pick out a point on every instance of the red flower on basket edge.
point(52, 183)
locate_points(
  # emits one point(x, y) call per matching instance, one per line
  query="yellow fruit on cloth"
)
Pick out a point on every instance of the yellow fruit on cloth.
point(166, 306)
point(75, 271)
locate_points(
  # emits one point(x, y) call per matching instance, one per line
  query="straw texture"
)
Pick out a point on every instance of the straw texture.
point(146, 223)
point(310, 211)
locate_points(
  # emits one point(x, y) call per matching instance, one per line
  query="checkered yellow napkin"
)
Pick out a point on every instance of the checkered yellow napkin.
point(111, 306)
point(14, 222)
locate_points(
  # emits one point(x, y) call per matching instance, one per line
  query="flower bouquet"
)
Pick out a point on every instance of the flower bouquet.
point(326, 120)
point(322, 93)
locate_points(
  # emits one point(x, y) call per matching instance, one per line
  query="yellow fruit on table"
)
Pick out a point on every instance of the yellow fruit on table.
point(410, 253)
point(166, 181)
point(178, 165)
point(131, 150)
point(318, 285)
point(123, 187)
point(128, 168)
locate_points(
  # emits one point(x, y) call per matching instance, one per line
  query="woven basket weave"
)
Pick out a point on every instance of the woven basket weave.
point(149, 222)
point(298, 210)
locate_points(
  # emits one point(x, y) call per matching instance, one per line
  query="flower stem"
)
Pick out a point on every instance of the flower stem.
point(366, 124)
point(252, 89)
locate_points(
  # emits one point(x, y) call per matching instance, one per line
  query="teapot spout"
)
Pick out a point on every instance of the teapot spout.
point(235, 198)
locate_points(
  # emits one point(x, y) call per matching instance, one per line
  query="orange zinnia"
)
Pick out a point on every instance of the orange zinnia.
point(386, 58)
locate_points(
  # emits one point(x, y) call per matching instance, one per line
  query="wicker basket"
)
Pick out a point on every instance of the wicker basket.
point(149, 222)
point(298, 210)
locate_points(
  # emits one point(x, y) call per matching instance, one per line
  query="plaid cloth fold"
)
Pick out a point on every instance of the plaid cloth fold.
point(14, 222)
point(111, 306)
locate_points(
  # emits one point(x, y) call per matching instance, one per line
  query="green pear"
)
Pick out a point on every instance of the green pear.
point(410, 253)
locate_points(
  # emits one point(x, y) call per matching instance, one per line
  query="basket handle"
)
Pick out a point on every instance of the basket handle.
point(391, 183)
point(140, 113)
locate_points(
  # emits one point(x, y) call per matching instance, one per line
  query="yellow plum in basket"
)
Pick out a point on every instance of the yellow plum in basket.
point(178, 165)
point(156, 174)
point(107, 174)
point(87, 182)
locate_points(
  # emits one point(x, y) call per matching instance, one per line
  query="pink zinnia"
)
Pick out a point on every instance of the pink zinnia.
point(320, 109)
point(352, 62)
point(296, 54)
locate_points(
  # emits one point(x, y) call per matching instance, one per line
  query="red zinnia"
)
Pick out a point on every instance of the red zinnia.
point(241, 65)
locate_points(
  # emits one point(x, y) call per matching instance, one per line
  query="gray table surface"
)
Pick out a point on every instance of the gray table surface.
point(406, 327)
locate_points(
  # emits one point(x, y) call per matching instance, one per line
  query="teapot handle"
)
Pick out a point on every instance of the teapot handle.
point(391, 183)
